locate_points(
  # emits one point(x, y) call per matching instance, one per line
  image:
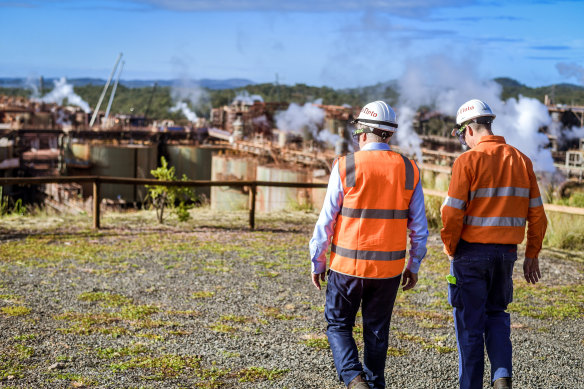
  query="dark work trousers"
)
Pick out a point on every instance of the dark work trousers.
point(483, 289)
point(344, 294)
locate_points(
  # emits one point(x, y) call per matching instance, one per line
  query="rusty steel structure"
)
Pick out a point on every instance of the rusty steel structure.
point(39, 134)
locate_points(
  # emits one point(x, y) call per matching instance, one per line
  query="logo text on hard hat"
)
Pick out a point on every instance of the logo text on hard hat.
point(367, 111)
point(465, 109)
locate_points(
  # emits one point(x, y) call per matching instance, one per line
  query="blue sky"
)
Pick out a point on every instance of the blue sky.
point(342, 43)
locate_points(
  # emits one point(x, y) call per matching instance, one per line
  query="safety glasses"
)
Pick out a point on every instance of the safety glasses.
point(358, 132)
point(460, 133)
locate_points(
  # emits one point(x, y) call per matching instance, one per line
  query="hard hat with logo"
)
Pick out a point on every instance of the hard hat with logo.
point(473, 110)
point(378, 116)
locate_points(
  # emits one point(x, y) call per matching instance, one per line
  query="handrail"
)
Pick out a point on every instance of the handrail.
point(548, 207)
point(98, 180)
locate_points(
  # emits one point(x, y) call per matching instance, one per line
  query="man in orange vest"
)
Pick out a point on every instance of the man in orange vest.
point(373, 197)
point(493, 193)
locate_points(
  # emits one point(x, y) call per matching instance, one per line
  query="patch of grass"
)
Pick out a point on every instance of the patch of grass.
point(436, 343)
point(222, 328)
point(433, 216)
point(11, 298)
point(160, 367)
point(564, 231)
point(76, 380)
point(276, 313)
point(25, 337)
point(396, 352)
point(254, 374)
point(425, 315)
point(132, 350)
point(548, 302)
point(106, 299)
point(320, 343)
point(236, 319)
point(137, 312)
point(15, 311)
point(202, 294)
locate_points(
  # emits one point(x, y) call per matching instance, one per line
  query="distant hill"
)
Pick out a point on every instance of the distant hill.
point(139, 98)
point(212, 84)
point(559, 93)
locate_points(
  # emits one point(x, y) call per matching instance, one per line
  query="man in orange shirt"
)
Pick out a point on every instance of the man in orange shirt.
point(493, 194)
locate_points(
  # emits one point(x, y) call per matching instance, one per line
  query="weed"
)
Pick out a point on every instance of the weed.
point(320, 343)
point(396, 352)
point(565, 231)
point(134, 349)
point(235, 318)
point(15, 311)
point(549, 302)
point(254, 374)
point(276, 313)
point(223, 328)
point(20, 338)
point(161, 367)
point(202, 294)
point(437, 343)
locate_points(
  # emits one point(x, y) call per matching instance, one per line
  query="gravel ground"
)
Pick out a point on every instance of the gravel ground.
point(210, 304)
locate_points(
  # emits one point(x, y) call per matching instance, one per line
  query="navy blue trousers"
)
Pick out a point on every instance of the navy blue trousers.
point(484, 288)
point(344, 294)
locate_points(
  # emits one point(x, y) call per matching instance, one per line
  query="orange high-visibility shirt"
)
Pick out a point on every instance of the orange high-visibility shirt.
point(493, 194)
point(370, 235)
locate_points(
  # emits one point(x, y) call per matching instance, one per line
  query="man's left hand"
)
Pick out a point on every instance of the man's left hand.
point(409, 279)
point(316, 279)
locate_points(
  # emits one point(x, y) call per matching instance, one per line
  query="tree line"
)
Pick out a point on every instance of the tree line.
point(155, 102)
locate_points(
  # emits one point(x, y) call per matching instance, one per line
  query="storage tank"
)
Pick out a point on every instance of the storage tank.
point(275, 198)
point(225, 198)
point(192, 161)
point(131, 161)
point(317, 195)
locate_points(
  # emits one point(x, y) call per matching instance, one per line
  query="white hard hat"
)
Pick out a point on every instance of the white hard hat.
point(378, 114)
point(473, 109)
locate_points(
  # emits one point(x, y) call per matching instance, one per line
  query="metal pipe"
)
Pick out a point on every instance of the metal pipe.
point(111, 100)
point(94, 116)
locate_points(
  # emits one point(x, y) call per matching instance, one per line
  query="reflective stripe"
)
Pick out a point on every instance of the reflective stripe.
point(409, 173)
point(369, 255)
point(494, 221)
point(350, 171)
point(454, 202)
point(499, 192)
point(375, 213)
point(535, 202)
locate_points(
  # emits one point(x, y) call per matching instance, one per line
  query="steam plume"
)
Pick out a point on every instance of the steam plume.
point(186, 90)
point(184, 108)
point(247, 99)
point(62, 91)
point(450, 84)
point(303, 120)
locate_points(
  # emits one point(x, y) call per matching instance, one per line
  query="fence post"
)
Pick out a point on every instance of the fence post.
point(96, 201)
point(252, 203)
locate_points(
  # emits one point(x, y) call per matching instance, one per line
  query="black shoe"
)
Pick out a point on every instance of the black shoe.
point(502, 383)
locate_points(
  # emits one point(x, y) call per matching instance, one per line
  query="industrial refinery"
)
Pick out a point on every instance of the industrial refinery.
point(248, 139)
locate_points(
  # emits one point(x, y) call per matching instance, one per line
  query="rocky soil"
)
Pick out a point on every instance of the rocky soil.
point(209, 303)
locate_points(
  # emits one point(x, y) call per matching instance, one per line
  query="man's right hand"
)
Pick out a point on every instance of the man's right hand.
point(531, 270)
point(316, 278)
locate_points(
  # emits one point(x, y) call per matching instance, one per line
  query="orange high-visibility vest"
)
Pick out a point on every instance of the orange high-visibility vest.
point(493, 193)
point(370, 235)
